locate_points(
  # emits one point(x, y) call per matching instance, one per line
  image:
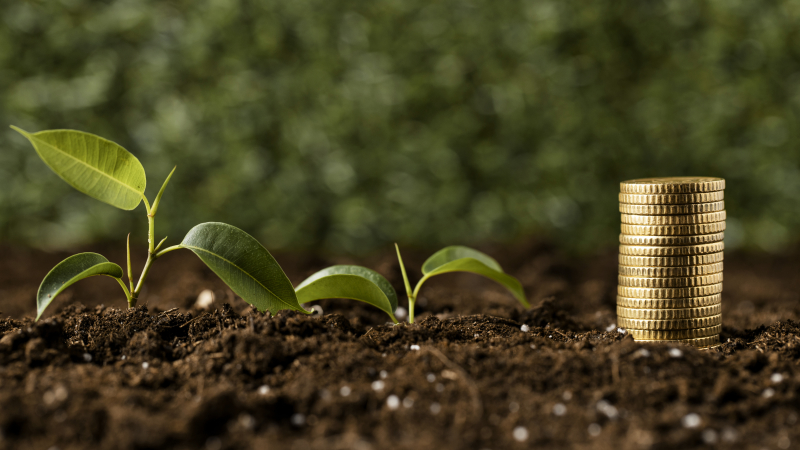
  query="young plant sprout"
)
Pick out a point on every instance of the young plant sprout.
point(107, 172)
point(458, 258)
point(353, 282)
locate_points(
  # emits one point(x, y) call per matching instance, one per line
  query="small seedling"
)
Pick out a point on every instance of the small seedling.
point(353, 282)
point(107, 172)
point(458, 258)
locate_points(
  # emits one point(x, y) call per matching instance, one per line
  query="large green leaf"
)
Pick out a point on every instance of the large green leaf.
point(95, 166)
point(69, 271)
point(244, 265)
point(353, 282)
point(464, 259)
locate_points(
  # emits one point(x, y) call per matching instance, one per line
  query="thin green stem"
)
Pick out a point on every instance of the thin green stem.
point(135, 294)
point(167, 250)
point(160, 243)
point(412, 299)
point(151, 227)
point(411, 296)
point(130, 271)
point(124, 288)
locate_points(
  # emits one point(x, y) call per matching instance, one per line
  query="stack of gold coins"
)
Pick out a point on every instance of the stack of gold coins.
point(670, 259)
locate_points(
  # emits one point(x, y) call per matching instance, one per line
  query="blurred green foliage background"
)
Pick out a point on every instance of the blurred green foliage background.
point(342, 125)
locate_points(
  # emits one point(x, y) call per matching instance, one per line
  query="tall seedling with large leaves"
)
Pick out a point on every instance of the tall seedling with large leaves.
point(104, 170)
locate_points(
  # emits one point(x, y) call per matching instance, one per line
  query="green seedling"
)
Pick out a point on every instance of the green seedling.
point(107, 172)
point(458, 258)
point(353, 282)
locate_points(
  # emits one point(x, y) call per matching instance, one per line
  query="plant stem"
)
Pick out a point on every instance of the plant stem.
point(411, 296)
point(412, 299)
point(167, 250)
point(145, 271)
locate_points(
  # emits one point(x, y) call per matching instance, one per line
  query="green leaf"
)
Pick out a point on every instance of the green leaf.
point(95, 166)
point(464, 259)
point(71, 270)
point(157, 201)
point(244, 265)
point(353, 282)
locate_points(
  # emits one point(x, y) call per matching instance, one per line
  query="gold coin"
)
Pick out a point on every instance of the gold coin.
point(682, 219)
point(665, 210)
point(632, 239)
point(702, 342)
point(672, 199)
point(669, 314)
point(709, 347)
point(669, 261)
point(673, 230)
point(669, 303)
point(648, 250)
point(691, 333)
point(672, 185)
point(684, 292)
point(672, 282)
point(669, 272)
point(678, 324)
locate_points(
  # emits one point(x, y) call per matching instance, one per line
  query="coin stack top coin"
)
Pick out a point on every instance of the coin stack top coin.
point(671, 259)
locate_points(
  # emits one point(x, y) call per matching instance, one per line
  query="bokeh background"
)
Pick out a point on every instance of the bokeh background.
point(343, 126)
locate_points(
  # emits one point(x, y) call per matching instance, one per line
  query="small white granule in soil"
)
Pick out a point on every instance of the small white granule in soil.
point(520, 434)
point(298, 420)
point(400, 313)
point(611, 327)
point(263, 389)
point(393, 402)
point(710, 436)
point(123, 357)
point(533, 346)
point(768, 392)
point(675, 352)
point(384, 374)
point(776, 378)
point(691, 420)
point(567, 396)
point(729, 434)
point(414, 347)
point(524, 328)
point(247, 421)
point(594, 430)
point(378, 385)
point(559, 409)
point(436, 408)
point(430, 377)
point(476, 335)
point(345, 391)
point(641, 353)
point(205, 299)
point(145, 365)
point(87, 357)
point(408, 402)
point(621, 330)
point(608, 409)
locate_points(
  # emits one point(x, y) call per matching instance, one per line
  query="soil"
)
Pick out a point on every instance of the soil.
point(167, 374)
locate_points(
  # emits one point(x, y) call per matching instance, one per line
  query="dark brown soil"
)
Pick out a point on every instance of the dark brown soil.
point(464, 377)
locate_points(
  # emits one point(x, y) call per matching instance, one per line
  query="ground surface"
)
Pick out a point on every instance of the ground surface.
point(95, 376)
